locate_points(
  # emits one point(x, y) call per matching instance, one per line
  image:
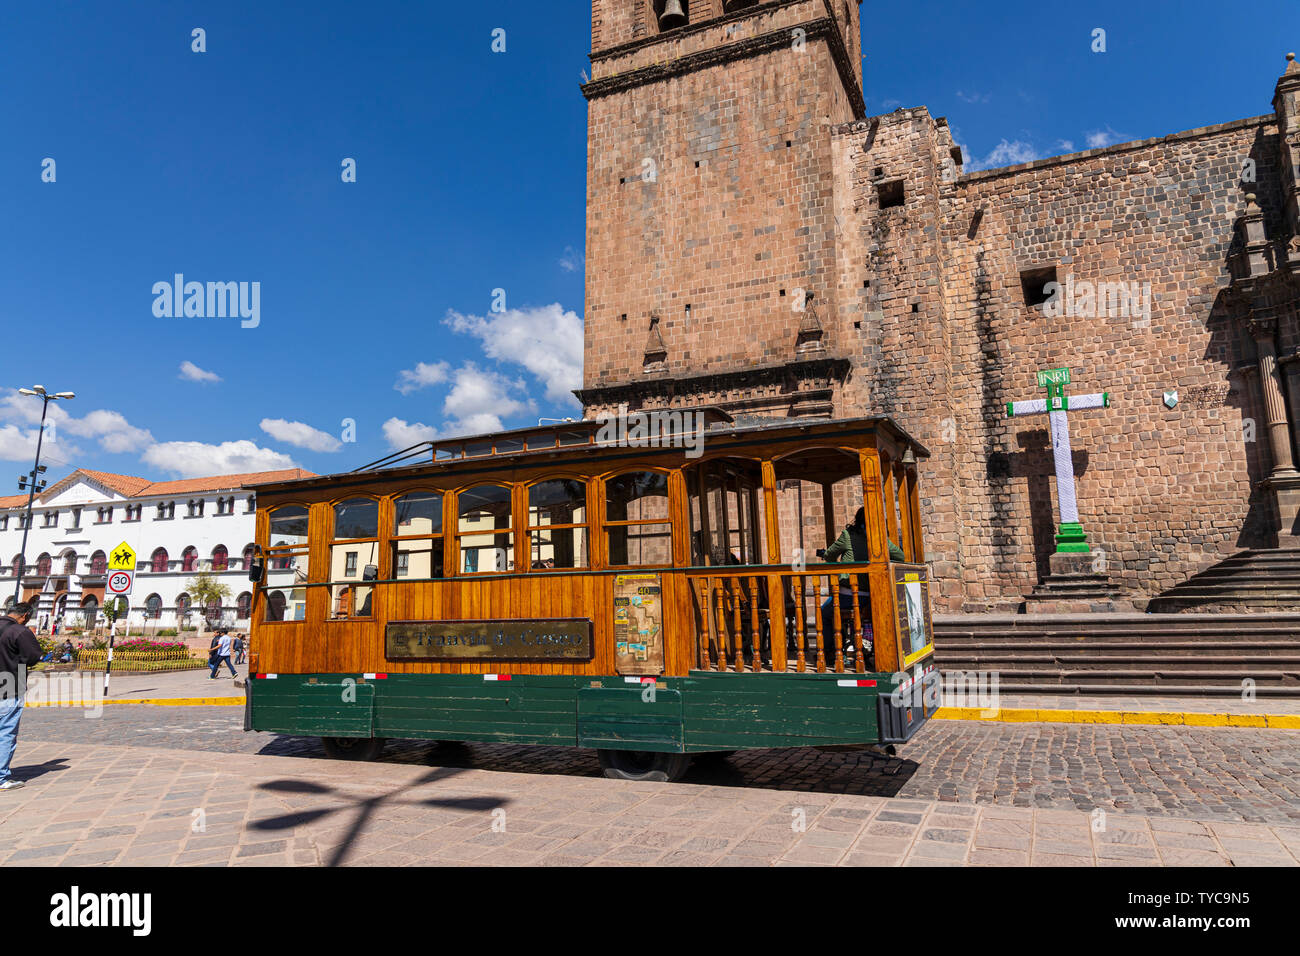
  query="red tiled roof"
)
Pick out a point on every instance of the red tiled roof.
point(125, 485)
point(131, 487)
point(186, 486)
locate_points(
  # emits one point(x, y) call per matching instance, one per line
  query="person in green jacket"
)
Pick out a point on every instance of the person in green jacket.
point(851, 547)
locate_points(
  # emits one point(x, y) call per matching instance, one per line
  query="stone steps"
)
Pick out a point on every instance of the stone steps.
point(1250, 579)
point(1109, 654)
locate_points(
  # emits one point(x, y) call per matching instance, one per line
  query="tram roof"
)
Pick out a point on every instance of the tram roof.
point(522, 446)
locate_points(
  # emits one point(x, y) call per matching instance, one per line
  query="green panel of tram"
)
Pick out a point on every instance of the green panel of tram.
point(622, 716)
point(336, 709)
point(524, 710)
point(745, 711)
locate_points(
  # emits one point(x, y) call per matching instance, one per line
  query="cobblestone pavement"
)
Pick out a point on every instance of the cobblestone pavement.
point(108, 804)
point(1231, 774)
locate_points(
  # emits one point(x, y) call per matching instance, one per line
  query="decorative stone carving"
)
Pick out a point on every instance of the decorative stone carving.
point(656, 353)
point(810, 334)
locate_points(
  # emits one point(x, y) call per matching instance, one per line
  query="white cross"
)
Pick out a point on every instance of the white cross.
point(1057, 405)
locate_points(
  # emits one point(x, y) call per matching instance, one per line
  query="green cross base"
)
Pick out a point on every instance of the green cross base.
point(1071, 539)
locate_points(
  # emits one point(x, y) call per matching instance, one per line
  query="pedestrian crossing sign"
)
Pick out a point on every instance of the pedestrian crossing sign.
point(122, 558)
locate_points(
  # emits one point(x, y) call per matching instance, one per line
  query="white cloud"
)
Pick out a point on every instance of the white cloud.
point(573, 260)
point(973, 97)
point(111, 429)
point(1101, 138)
point(422, 376)
point(192, 373)
point(192, 459)
point(402, 434)
point(547, 341)
point(478, 402)
point(1006, 153)
point(17, 444)
point(1066, 146)
point(300, 435)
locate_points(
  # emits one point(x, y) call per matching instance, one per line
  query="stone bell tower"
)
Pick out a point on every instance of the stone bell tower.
point(710, 221)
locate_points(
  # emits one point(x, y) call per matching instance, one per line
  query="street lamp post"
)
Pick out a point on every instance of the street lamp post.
point(31, 481)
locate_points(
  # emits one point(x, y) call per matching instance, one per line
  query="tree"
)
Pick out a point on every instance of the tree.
point(115, 609)
point(205, 589)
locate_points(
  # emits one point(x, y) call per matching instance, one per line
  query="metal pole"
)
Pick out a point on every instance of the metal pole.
point(31, 497)
point(112, 635)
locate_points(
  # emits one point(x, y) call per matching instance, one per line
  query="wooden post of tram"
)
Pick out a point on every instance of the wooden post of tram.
point(775, 585)
point(882, 598)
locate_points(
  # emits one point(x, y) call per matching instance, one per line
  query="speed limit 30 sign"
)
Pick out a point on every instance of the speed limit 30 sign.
point(120, 583)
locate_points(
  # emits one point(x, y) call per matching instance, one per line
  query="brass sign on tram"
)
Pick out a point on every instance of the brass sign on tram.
point(564, 639)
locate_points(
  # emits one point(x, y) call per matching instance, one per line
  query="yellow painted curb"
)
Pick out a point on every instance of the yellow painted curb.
point(156, 701)
point(1020, 715)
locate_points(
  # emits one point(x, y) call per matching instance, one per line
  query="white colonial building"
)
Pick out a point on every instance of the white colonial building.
point(177, 528)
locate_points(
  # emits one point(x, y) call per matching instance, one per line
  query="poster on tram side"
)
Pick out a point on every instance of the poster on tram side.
point(912, 604)
point(638, 625)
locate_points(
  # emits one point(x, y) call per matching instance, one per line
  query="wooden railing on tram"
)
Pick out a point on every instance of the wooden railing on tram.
point(746, 618)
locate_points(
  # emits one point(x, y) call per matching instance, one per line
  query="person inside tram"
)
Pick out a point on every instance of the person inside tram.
point(851, 547)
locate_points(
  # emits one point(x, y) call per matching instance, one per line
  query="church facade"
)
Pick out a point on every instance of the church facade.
point(755, 241)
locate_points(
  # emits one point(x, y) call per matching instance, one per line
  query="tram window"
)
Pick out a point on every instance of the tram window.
point(476, 449)
point(357, 518)
point(484, 527)
point(638, 531)
point(286, 605)
point(573, 438)
point(356, 543)
point(287, 552)
point(507, 446)
point(417, 535)
point(557, 524)
point(417, 514)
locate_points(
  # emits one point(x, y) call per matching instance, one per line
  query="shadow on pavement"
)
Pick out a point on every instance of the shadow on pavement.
point(32, 771)
point(865, 772)
point(365, 807)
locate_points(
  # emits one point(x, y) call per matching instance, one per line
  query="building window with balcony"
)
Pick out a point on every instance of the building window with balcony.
point(43, 564)
point(98, 564)
point(190, 559)
point(158, 563)
point(4, 522)
point(220, 558)
point(51, 519)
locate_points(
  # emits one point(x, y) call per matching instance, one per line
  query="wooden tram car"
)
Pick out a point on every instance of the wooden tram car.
point(556, 586)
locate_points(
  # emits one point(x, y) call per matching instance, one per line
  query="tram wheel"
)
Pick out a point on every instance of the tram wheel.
point(643, 765)
point(353, 748)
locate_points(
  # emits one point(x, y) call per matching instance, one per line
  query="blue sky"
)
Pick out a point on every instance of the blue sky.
point(376, 296)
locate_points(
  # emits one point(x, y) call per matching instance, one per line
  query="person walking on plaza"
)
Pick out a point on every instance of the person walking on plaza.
point(19, 650)
point(239, 648)
point(222, 653)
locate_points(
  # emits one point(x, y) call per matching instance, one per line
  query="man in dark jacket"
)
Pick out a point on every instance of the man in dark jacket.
point(19, 650)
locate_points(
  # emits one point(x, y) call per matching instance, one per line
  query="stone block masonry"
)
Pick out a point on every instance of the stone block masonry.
point(730, 174)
